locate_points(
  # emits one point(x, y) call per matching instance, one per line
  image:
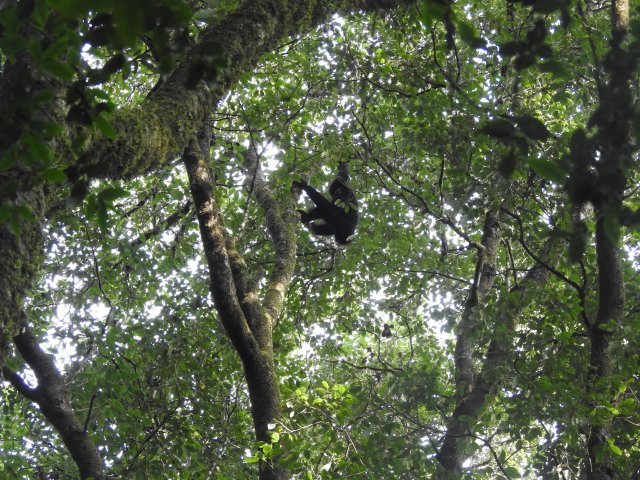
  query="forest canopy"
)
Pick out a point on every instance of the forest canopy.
point(164, 313)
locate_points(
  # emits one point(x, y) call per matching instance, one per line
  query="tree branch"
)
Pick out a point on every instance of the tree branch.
point(52, 397)
point(149, 136)
point(222, 285)
point(484, 277)
point(486, 382)
point(281, 228)
point(246, 326)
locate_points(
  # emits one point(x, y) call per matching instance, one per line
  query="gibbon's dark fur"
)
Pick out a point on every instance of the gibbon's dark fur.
point(340, 215)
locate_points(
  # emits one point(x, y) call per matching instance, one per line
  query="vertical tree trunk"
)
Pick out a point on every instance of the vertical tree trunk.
point(248, 323)
point(611, 303)
point(615, 134)
point(486, 381)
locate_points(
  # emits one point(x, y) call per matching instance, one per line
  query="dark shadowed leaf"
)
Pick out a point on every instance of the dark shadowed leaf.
point(532, 127)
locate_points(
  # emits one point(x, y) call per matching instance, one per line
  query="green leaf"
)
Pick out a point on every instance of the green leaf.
point(109, 194)
point(548, 169)
point(58, 69)
point(512, 472)
point(613, 447)
point(532, 127)
point(24, 212)
point(555, 68)
point(433, 11)
point(15, 226)
point(91, 206)
point(469, 35)
point(40, 14)
point(54, 175)
point(39, 151)
point(129, 21)
point(7, 160)
point(105, 126)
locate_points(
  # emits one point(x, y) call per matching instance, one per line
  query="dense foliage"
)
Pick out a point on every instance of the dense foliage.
point(476, 327)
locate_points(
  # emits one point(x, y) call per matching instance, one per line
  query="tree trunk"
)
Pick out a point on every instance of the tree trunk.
point(615, 139)
point(451, 457)
point(248, 324)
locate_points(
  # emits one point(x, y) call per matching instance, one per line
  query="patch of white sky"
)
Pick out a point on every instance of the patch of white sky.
point(89, 318)
point(92, 60)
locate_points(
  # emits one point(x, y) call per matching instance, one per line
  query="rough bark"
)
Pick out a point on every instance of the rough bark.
point(19, 263)
point(619, 19)
point(466, 341)
point(160, 129)
point(248, 323)
point(20, 255)
point(610, 310)
point(483, 281)
point(52, 397)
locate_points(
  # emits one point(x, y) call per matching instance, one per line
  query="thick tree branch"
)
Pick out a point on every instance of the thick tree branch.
point(20, 255)
point(247, 327)
point(222, 287)
point(148, 136)
point(19, 384)
point(483, 281)
point(615, 136)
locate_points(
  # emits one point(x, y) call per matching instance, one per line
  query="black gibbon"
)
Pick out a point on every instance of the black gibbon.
point(340, 215)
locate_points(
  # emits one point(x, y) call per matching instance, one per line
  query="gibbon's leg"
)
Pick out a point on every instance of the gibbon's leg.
point(322, 229)
point(313, 214)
